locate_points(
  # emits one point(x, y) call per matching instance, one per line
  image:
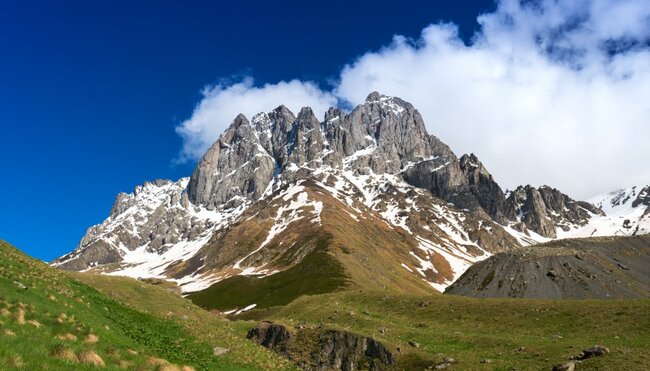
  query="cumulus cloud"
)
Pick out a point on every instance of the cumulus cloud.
point(221, 103)
point(547, 92)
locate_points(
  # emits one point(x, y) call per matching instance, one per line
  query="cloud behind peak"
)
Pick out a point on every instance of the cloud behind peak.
point(551, 92)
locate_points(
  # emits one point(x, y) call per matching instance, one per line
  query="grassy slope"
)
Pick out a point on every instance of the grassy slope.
point(158, 324)
point(198, 322)
point(470, 330)
point(318, 273)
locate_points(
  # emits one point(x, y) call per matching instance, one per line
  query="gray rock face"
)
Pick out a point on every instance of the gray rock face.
point(643, 198)
point(383, 135)
point(347, 351)
point(237, 167)
point(323, 350)
point(156, 215)
point(543, 209)
point(484, 188)
point(270, 335)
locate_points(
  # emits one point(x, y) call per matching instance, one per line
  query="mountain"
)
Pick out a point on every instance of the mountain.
point(366, 198)
point(604, 267)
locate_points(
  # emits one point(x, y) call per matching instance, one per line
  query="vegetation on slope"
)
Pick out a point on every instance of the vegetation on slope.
point(481, 333)
point(76, 320)
point(48, 319)
point(200, 323)
point(317, 273)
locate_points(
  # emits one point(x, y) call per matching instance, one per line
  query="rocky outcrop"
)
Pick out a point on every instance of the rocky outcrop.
point(484, 188)
point(595, 351)
point(236, 168)
point(347, 351)
point(578, 269)
point(384, 135)
point(643, 197)
point(154, 217)
point(270, 335)
point(323, 349)
point(543, 210)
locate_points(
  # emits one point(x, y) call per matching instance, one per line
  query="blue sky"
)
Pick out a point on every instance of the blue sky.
point(91, 92)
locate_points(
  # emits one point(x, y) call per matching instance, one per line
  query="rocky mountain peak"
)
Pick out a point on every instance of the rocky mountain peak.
point(383, 135)
point(373, 97)
point(470, 162)
point(544, 209)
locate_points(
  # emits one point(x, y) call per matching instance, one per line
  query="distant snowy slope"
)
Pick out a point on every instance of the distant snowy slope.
point(626, 213)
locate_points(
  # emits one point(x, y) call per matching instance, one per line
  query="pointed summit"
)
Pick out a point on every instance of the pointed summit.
point(373, 97)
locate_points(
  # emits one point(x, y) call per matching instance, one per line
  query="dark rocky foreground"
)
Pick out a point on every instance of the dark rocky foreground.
point(612, 267)
point(319, 349)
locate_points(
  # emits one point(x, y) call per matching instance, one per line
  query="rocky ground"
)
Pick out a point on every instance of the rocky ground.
point(606, 267)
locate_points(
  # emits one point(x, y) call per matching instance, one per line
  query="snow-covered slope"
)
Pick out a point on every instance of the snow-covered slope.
point(624, 212)
point(444, 240)
point(627, 213)
point(147, 230)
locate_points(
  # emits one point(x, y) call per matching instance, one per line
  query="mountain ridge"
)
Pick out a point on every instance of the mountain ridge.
point(377, 162)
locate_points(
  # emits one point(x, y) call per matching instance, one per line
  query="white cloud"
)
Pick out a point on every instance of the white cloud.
point(223, 102)
point(550, 92)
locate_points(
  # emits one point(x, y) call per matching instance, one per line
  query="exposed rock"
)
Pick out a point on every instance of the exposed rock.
point(235, 168)
point(544, 209)
point(377, 161)
point(383, 135)
point(595, 351)
point(553, 271)
point(270, 335)
point(346, 351)
point(483, 186)
point(323, 349)
point(152, 218)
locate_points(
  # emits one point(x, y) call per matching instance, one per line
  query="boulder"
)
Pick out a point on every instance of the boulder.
point(269, 334)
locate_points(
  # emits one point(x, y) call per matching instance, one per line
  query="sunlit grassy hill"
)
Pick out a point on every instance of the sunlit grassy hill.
point(51, 320)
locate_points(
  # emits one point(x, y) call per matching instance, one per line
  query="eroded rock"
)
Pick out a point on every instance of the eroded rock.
point(318, 349)
point(269, 334)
